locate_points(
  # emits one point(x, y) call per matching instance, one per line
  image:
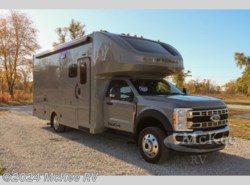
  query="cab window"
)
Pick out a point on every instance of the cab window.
point(120, 90)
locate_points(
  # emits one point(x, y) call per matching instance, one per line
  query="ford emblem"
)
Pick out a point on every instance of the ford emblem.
point(215, 118)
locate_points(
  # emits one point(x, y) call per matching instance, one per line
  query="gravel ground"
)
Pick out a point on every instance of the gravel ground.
point(27, 144)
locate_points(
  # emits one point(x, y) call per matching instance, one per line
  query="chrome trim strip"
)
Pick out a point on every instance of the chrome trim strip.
point(207, 112)
point(208, 124)
point(199, 133)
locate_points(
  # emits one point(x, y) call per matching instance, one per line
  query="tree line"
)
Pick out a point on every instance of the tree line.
point(239, 86)
point(18, 43)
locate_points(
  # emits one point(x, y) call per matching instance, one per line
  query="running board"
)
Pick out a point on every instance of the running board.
point(85, 129)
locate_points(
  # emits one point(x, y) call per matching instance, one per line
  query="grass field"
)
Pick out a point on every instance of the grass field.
point(20, 98)
point(15, 103)
point(3, 112)
point(239, 122)
point(231, 98)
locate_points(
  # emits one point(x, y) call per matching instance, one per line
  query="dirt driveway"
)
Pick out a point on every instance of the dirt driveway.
point(27, 144)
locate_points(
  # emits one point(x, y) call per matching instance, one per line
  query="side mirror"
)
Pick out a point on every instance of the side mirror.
point(131, 97)
point(112, 96)
point(185, 91)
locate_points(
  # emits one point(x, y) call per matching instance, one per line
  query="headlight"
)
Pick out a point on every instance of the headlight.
point(180, 119)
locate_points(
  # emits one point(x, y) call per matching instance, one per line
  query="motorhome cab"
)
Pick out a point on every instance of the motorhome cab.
point(109, 81)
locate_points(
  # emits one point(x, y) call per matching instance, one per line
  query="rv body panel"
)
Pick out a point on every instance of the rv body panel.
point(55, 91)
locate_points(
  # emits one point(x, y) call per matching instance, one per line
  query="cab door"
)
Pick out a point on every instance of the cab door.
point(119, 107)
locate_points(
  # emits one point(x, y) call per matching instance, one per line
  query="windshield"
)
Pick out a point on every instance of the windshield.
point(155, 87)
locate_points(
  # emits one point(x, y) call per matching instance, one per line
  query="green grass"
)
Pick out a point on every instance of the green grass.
point(239, 127)
point(2, 171)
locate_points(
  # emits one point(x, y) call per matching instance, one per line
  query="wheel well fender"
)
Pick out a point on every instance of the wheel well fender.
point(152, 118)
point(51, 118)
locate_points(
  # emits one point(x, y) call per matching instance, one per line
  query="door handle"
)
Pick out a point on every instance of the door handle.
point(109, 103)
point(76, 87)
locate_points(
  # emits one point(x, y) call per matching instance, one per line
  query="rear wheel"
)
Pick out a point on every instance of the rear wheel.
point(151, 144)
point(56, 125)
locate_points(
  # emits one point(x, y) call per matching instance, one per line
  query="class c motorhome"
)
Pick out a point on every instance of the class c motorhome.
point(108, 81)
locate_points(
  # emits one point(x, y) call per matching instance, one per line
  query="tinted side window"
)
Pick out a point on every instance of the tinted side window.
point(119, 90)
point(72, 70)
point(83, 72)
point(125, 93)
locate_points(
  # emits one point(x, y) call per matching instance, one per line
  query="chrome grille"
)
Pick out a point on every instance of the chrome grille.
point(199, 119)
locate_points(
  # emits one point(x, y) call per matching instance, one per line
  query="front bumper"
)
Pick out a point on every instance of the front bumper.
point(198, 141)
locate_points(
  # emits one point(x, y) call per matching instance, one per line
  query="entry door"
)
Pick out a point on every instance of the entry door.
point(82, 92)
point(119, 110)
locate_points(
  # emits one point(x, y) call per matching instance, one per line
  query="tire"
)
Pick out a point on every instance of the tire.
point(151, 145)
point(56, 125)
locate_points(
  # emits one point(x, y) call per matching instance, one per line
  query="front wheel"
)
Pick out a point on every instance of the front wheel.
point(151, 144)
point(56, 125)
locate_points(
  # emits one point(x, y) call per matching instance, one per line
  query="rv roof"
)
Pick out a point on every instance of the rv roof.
point(115, 54)
point(73, 43)
point(158, 46)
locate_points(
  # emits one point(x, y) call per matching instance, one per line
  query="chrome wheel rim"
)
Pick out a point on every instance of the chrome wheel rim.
point(150, 145)
point(55, 122)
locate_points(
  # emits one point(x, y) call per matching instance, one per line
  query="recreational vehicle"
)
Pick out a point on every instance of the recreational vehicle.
point(106, 81)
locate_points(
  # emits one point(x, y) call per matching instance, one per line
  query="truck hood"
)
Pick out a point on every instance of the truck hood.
point(194, 102)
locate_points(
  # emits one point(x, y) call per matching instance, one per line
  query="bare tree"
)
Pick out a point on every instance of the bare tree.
point(25, 72)
point(18, 41)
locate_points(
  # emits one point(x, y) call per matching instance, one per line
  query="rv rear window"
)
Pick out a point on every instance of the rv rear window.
point(83, 72)
point(147, 45)
point(73, 70)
